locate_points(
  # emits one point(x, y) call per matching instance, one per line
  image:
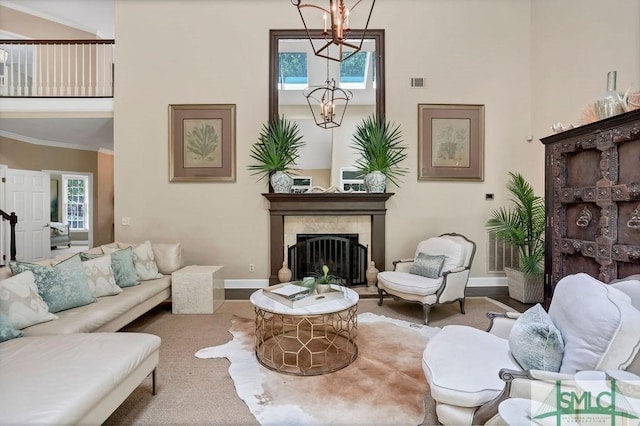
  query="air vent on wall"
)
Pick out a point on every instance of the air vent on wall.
point(500, 254)
point(418, 82)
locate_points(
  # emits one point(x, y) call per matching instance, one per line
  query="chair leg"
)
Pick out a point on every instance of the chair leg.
point(425, 310)
point(380, 295)
point(462, 305)
point(153, 382)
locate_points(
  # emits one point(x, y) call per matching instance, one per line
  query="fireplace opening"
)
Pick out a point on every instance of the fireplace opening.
point(342, 253)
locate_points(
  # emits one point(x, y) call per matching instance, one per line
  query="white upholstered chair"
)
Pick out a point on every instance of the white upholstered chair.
point(438, 273)
point(602, 334)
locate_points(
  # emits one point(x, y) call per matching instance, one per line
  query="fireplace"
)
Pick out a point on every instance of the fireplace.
point(327, 205)
point(342, 253)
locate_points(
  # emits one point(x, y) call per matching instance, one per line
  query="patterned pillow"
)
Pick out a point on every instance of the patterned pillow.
point(144, 262)
point(124, 270)
point(21, 303)
point(7, 330)
point(535, 342)
point(63, 286)
point(100, 275)
point(427, 265)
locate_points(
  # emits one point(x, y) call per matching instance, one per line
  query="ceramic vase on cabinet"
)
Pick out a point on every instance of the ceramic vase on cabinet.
point(281, 182)
point(375, 182)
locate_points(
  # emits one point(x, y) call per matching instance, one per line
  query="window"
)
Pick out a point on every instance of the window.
point(76, 202)
point(353, 71)
point(292, 70)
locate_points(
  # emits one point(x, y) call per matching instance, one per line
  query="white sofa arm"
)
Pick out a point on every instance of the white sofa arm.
point(403, 265)
point(501, 324)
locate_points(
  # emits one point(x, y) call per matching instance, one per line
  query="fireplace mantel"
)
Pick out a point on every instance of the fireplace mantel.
point(326, 204)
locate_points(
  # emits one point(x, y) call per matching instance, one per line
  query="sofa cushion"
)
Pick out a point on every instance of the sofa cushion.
point(535, 342)
point(7, 330)
point(62, 286)
point(603, 334)
point(123, 268)
point(100, 276)
point(454, 253)
point(20, 301)
point(462, 378)
point(168, 257)
point(427, 265)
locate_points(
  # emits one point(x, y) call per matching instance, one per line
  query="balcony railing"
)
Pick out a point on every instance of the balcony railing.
point(56, 68)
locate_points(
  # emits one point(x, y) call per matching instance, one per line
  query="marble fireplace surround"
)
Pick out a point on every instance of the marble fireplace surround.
point(361, 213)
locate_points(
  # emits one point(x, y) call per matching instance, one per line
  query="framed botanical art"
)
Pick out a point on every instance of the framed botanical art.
point(202, 143)
point(450, 142)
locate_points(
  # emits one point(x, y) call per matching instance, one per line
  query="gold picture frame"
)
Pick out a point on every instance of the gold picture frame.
point(451, 142)
point(202, 143)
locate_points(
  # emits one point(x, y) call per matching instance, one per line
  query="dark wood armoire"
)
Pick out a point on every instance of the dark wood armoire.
point(592, 197)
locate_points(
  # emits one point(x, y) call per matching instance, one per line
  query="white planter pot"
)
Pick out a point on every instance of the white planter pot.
point(281, 182)
point(526, 289)
point(375, 182)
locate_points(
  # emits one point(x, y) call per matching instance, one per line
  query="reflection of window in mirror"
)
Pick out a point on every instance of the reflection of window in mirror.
point(298, 69)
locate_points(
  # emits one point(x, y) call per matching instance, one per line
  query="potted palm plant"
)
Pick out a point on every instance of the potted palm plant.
point(276, 151)
point(522, 226)
point(379, 144)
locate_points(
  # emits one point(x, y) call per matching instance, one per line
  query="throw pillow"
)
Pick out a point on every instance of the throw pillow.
point(168, 257)
point(100, 276)
point(7, 330)
point(21, 303)
point(535, 342)
point(427, 265)
point(144, 262)
point(124, 270)
point(62, 286)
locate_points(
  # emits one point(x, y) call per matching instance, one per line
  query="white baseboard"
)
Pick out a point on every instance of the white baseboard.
point(246, 284)
point(264, 283)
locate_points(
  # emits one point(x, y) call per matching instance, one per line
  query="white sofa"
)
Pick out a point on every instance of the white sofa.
point(470, 371)
point(75, 369)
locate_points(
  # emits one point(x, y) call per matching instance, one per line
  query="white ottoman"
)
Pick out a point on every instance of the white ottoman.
point(197, 289)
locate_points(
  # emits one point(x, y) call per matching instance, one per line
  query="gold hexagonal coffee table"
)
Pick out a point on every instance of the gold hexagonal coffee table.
point(316, 339)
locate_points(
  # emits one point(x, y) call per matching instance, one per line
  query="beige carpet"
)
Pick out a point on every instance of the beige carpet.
point(201, 392)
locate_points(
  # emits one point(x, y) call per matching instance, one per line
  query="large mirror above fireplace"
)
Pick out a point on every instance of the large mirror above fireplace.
point(327, 151)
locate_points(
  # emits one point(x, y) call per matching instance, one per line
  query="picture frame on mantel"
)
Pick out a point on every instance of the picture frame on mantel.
point(451, 142)
point(202, 142)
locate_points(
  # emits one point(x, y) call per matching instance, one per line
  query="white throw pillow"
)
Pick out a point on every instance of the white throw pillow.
point(144, 261)
point(100, 276)
point(453, 252)
point(602, 333)
point(20, 301)
point(168, 257)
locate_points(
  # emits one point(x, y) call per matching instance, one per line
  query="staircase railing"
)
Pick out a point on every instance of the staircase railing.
point(56, 68)
point(13, 220)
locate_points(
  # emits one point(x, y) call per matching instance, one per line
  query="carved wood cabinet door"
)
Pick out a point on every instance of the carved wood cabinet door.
point(592, 200)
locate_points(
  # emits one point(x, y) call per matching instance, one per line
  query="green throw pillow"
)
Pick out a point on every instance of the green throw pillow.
point(63, 286)
point(7, 331)
point(535, 342)
point(427, 265)
point(124, 270)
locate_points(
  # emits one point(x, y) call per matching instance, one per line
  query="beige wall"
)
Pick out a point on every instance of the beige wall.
point(27, 156)
point(501, 53)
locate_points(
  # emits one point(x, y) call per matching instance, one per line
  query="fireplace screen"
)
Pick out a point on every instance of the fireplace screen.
point(345, 257)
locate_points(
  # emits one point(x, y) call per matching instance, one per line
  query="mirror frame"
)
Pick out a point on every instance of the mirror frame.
point(276, 35)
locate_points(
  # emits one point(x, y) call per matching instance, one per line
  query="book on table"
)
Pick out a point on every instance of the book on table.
point(295, 295)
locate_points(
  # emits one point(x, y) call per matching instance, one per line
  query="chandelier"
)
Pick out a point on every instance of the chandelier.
point(336, 41)
point(328, 104)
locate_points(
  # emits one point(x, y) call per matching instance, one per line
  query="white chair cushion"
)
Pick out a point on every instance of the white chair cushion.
point(462, 365)
point(409, 283)
point(454, 252)
point(603, 333)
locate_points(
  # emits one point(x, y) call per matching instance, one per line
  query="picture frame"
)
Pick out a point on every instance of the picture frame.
point(451, 142)
point(202, 142)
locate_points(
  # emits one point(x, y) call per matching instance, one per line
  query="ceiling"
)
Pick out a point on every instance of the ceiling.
point(92, 133)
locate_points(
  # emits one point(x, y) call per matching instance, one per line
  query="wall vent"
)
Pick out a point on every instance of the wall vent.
point(500, 254)
point(419, 82)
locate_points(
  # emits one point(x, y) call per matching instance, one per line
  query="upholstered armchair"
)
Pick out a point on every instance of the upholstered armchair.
point(438, 273)
point(515, 357)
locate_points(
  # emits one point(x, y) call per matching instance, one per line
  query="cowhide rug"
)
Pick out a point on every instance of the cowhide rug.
point(384, 385)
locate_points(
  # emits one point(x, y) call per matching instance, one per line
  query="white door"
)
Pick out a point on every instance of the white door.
point(28, 194)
